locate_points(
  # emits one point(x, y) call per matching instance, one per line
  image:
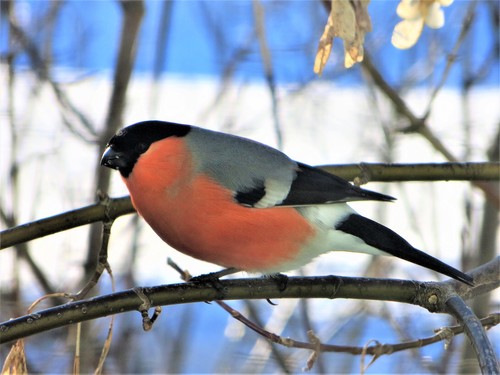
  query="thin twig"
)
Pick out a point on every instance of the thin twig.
point(450, 61)
point(265, 53)
point(70, 113)
point(102, 263)
point(397, 172)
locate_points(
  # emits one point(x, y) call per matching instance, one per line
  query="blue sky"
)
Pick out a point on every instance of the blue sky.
point(205, 37)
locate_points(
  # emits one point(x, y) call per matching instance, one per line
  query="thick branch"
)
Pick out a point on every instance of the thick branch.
point(424, 294)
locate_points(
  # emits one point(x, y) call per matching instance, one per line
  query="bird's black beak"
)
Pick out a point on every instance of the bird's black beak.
point(113, 159)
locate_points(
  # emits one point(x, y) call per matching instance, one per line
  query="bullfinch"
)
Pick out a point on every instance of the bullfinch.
point(238, 203)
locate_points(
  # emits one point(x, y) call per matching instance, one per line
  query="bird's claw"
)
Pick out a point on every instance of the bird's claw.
point(213, 279)
point(280, 279)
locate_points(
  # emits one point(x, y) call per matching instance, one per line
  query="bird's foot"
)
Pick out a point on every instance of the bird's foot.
point(213, 279)
point(280, 279)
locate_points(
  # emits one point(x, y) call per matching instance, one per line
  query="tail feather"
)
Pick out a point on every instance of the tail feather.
point(383, 238)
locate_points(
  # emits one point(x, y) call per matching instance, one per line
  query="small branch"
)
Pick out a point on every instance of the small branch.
point(102, 263)
point(450, 61)
point(445, 333)
point(417, 124)
point(72, 116)
point(399, 104)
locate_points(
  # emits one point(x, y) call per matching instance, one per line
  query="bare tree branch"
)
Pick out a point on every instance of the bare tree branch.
point(105, 209)
point(477, 336)
point(419, 125)
point(432, 296)
point(162, 46)
point(466, 27)
point(445, 333)
point(396, 172)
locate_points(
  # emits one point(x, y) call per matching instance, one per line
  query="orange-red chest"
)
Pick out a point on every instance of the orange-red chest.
point(198, 217)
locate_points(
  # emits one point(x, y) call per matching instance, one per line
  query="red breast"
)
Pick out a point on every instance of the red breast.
point(199, 217)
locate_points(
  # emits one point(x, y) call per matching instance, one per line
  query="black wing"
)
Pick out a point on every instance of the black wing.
point(315, 186)
point(251, 196)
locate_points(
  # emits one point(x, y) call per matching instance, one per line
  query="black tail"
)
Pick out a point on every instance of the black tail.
point(382, 238)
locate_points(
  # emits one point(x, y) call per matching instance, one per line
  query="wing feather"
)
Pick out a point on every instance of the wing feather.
point(314, 186)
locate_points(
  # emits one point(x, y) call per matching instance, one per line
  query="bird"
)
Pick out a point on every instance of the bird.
point(238, 203)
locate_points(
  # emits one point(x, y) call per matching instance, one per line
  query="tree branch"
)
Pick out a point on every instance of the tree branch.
point(381, 172)
point(476, 333)
point(419, 125)
point(71, 115)
point(445, 333)
point(425, 294)
point(133, 14)
point(265, 53)
point(109, 208)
